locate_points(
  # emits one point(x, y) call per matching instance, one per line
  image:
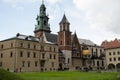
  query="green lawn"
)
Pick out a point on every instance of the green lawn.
point(69, 75)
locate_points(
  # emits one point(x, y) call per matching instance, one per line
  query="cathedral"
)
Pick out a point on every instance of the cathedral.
point(46, 51)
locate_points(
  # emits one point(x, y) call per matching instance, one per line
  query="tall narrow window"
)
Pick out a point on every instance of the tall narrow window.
point(102, 63)
point(2, 46)
point(54, 50)
point(11, 44)
point(28, 54)
point(113, 53)
point(36, 63)
point(43, 55)
point(110, 59)
point(1, 55)
point(68, 60)
point(97, 63)
point(50, 49)
point(34, 55)
point(28, 45)
point(23, 63)
point(96, 52)
point(50, 56)
point(28, 63)
point(114, 59)
point(38, 22)
point(118, 58)
point(21, 44)
point(34, 46)
point(52, 64)
point(11, 54)
point(60, 42)
point(21, 54)
point(109, 53)
point(118, 52)
point(54, 56)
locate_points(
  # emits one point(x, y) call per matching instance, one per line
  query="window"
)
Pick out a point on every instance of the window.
point(54, 49)
point(38, 22)
point(28, 63)
point(1, 55)
point(54, 56)
point(11, 44)
point(45, 22)
point(21, 54)
point(21, 44)
point(11, 54)
point(28, 54)
point(102, 63)
point(34, 46)
point(118, 52)
point(68, 60)
point(96, 52)
point(113, 53)
point(92, 50)
point(93, 62)
point(0, 64)
point(23, 63)
point(100, 51)
point(60, 42)
point(42, 48)
point(97, 63)
point(28, 45)
point(109, 53)
point(43, 55)
point(118, 58)
point(50, 56)
point(2, 46)
point(110, 59)
point(50, 49)
point(36, 63)
point(114, 59)
point(34, 55)
point(52, 64)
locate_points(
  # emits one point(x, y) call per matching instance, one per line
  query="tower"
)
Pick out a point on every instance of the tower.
point(42, 22)
point(64, 40)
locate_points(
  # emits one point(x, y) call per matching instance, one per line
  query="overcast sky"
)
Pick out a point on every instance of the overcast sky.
point(97, 20)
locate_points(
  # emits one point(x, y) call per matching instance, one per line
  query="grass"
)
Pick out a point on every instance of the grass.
point(5, 75)
point(69, 75)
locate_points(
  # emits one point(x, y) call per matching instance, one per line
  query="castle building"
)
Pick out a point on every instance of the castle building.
point(50, 52)
point(112, 52)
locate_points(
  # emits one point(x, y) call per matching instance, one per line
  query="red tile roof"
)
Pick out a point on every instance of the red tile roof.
point(111, 44)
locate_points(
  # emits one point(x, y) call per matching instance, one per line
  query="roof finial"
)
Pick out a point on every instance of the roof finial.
point(42, 1)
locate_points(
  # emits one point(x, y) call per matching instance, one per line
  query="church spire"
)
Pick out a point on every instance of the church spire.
point(42, 20)
point(64, 24)
point(64, 20)
point(42, 1)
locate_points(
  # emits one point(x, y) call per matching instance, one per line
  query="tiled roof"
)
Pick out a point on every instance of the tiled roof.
point(51, 37)
point(111, 44)
point(64, 20)
point(86, 41)
point(23, 37)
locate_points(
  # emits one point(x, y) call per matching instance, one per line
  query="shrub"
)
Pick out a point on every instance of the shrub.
point(5, 75)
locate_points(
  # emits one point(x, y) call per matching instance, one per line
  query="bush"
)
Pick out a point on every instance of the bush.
point(118, 77)
point(5, 75)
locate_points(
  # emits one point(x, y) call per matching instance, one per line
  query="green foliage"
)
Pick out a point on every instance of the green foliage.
point(69, 75)
point(5, 75)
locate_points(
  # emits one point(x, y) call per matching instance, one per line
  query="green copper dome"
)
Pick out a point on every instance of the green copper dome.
point(42, 20)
